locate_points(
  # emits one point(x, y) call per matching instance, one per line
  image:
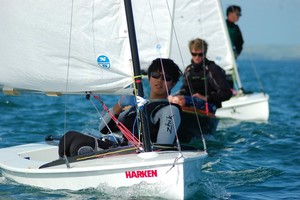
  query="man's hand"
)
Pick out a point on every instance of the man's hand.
point(127, 100)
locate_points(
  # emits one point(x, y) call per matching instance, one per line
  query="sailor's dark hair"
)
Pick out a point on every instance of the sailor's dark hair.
point(169, 66)
point(233, 8)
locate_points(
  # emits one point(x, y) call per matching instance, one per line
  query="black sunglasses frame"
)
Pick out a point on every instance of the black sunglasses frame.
point(158, 75)
point(197, 54)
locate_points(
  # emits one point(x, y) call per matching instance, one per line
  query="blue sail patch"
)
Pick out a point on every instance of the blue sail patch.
point(103, 61)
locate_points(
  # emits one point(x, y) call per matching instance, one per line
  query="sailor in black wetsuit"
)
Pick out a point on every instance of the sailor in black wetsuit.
point(164, 117)
point(203, 81)
point(233, 14)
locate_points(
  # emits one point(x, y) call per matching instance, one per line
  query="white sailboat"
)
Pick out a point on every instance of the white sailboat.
point(205, 19)
point(73, 47)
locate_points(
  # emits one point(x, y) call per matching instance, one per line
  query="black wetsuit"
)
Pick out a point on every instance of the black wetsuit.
point(218, 89)
point(160, 124)
point(159, 117)
point(235, 37)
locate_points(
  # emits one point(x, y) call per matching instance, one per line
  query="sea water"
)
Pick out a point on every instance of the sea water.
point(247, 160)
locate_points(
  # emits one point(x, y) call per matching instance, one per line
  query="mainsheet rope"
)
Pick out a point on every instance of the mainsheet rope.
point(127, 133)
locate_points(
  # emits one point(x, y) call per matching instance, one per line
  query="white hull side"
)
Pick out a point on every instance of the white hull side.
point(250, 107)
point(153, 169)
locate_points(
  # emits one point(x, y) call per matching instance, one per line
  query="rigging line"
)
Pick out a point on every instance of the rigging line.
point(175, 161)
point(173, 120)
point(155, 29)
point(136, 120)
point(163, 72)
point(205, 89)
point(67, 78)
point(165, 82)
point(65, 158)
point(194, 105)
point(110, 131)
point(256, 73)
point(189, 86)
point(139, 76)
point(179, 49)
point(188, 83)
point(129, 136)
point(191, 89)
point(106, 154)
point(157, 41)
point(175, 33)
point(137, 79)
point(93, 28)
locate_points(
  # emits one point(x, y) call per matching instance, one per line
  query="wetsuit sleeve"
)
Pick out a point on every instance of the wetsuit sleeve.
point(218, 80)
point(239, 41)
point(107, 121)
point(169, 120)
point(184, 90)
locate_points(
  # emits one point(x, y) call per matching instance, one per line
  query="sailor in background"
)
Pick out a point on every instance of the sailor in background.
point(203, 81)
point(234, 13)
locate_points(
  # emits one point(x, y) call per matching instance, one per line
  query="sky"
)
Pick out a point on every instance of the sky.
point(268, 22)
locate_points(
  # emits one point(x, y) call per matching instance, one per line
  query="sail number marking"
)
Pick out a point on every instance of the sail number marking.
point(103, 61)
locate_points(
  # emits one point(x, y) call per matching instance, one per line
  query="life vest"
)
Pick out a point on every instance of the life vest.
point(195, 75)
point(150, 110)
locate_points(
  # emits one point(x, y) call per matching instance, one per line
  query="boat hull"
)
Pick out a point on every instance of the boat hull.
point(153, 169)
point(190, 128)
point(248, 107)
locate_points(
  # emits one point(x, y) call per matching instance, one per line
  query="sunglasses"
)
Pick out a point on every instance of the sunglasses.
point(157, 75)
point(197, 54)
point(238, 14)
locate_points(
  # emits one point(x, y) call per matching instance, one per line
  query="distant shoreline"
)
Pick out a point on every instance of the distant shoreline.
point(271, 52)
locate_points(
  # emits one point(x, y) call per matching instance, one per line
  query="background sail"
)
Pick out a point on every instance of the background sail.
point(164, 28)
point(54, 46)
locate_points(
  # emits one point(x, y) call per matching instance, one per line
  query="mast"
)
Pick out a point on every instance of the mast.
point(137, 71)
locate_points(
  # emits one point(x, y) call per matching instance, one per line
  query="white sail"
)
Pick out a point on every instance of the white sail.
point(166, 27)
point(64, 46)
point(77, 46)
point(71, 47)
point(203, 19)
